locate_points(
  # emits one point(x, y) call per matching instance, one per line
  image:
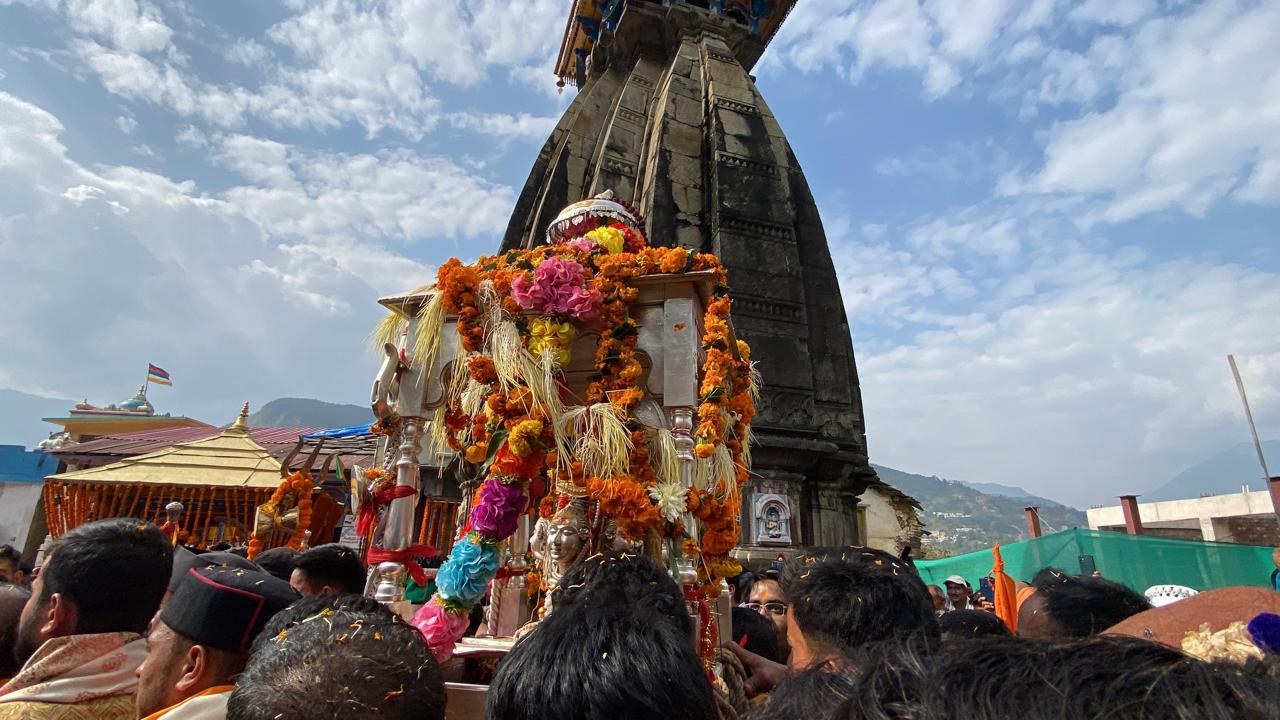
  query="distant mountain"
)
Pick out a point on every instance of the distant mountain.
point(304, 412)
point(960, 518)
point(20, 415)
point(989, 488)
point(1222, 473)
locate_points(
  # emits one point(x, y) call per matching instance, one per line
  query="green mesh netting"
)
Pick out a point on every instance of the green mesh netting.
point(1138, 561)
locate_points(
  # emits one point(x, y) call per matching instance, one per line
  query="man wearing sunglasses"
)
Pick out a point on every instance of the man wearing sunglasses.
point(767, 599)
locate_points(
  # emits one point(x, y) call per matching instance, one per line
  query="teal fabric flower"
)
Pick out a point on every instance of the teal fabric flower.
point(465, 576)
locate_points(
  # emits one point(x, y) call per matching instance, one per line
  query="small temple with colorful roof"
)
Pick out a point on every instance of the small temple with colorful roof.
point(86, 421)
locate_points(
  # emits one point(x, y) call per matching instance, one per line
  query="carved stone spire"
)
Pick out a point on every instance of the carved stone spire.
point(669, 119)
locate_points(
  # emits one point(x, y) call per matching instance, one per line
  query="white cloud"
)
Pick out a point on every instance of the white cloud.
point(392, 193)
point(227, 287)
point(331, 63)
point(1113, 12)
point(967, 28)
point(1195, 118)
point(956, 162)
point(127, 24)
point(192, 137)
point(248, 52)
point(1179, 112)
point(501, 125)
point(126, 124)
point(1087, 349)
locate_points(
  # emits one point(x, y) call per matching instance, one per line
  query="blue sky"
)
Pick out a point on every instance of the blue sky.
point(1052, 220)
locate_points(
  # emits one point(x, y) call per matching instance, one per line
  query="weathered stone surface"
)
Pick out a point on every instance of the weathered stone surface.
point(670, 120)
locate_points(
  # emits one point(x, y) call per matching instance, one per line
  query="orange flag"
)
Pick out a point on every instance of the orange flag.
point(1006, 593)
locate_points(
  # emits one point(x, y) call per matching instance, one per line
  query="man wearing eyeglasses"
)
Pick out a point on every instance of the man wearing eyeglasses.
point(767, 599)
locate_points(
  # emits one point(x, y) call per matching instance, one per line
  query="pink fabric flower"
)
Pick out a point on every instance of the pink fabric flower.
point(557, 287)
point(582, 304)
point(582, 244)
point(440, 628)
point(522, 291)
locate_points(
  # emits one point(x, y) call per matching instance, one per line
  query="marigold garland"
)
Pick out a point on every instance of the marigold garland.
point(300, 482)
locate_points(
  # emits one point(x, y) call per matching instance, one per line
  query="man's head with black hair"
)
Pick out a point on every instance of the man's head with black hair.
point(998, 678)
point(277, 561)
point(331, 568)
point(969, 624)
point(104, 576)
point(938, 596)
point(813, 694)
point(12, 599)
point(200, 638)
point(1075, 606)
point(755, 634)
point(620, 637)
point(843, 598)
point(766, 598)
point(339, 656)
point(11, 568)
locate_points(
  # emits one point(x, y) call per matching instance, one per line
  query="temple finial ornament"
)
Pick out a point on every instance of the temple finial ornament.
point(242, 420)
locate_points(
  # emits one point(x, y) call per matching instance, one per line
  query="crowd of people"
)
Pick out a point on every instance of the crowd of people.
point(119, 624)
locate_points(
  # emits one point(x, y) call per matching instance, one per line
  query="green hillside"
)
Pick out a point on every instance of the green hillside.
point(304, 412)
point(962, 519)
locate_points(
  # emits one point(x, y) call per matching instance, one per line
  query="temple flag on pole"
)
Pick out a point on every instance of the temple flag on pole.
point(158, 375)
point(1006, 592)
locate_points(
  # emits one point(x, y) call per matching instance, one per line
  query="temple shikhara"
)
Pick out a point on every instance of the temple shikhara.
point(656, 360)
point(668, 117)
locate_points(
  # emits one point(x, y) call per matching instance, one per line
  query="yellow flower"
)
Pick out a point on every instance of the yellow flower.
point(610, 239)
point(548, 334)
point(521, 437)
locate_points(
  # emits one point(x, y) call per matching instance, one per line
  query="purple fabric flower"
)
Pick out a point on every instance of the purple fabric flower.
point(1264, 630)
point(499, 508)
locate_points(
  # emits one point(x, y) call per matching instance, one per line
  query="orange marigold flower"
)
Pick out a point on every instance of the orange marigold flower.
point(482, 369)
point(476, 454)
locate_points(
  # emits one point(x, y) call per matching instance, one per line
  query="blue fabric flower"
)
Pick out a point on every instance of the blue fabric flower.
point(465, 576)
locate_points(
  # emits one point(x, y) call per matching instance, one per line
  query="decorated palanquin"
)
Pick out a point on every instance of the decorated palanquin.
point(594, 397)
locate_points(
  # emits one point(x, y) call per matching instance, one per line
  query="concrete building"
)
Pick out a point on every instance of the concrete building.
point(1247, 518)
point(21, 474)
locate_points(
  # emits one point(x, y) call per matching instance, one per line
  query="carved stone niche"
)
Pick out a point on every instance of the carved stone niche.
point(771, 519)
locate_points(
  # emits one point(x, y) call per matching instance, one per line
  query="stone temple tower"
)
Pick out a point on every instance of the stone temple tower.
point(668, 117)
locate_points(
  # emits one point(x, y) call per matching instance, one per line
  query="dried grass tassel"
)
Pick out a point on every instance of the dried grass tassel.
point(662, 454)
point(388, 330)
point(748, 439)
point(506, 350)
point(603, 443)
point(540, 377)
point(430, 324)
point(439, 439)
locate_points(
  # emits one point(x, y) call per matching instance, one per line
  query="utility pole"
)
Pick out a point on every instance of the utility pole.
point(1269, 483)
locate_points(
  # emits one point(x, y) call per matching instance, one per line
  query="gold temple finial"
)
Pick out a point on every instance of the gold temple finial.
point(242, 421)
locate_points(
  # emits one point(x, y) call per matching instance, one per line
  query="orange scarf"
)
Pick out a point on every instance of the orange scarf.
point(199, 706)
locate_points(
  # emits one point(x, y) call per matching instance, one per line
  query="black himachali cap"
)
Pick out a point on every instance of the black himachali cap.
point(225, 607)
point(184, 560)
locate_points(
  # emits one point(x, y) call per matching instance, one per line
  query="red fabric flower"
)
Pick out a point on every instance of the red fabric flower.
point(525, 468)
